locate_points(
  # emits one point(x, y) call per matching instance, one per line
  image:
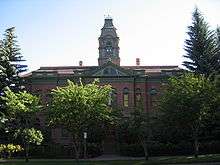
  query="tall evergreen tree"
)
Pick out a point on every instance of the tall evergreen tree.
point(218, 35)
point(2, 69)
point(3, 76)
point(10, 64)
point(201, 46)
point(218, 54)
point(12, 55)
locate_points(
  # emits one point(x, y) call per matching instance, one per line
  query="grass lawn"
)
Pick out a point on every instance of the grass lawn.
point(152, 161)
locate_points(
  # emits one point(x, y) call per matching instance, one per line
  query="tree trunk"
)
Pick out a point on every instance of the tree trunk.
point(76, 151)
point(196, 142)
point(144, 145)
point(196, 147)
point(26, 152)
point(26, 143)
point(76, 146)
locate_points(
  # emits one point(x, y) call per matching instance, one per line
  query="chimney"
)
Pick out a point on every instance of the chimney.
point(80, 63)
point(137, 61)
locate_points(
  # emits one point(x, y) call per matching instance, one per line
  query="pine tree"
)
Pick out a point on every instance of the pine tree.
point(2, 69)
point(201, 46)
point(218, 35)
point(12, 60)
point(10, 65)
point(217, 60)
point(3, 76)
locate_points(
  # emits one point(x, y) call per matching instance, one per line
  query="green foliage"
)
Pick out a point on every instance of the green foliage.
point(137, 124)
point(76, 107)
point(133, 150)
point(9, 149)
point(165, 149)
point(12, 50)
point(4, 62)
point(188, 102)
point(10, 62)
point(189, 98)
point(217, 82)
point(137, 129)
point(10, 66)
point(201, 47)
point(21, 102)
point(21, 109)
point(30, 135)
point(217, 57)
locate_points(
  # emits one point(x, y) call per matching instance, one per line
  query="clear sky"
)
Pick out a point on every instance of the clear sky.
point(62, 32)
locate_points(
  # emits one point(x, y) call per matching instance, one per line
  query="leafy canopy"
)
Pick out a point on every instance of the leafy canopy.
point(21, 102)
point(189, 99)
point(30, 135)
point(75, 106)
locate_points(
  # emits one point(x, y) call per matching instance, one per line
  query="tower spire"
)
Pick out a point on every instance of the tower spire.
point(108, 43)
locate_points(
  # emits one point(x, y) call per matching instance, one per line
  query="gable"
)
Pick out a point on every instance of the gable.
point(111, 69)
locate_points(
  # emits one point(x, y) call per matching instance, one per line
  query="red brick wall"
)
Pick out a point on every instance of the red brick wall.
point(44, 89)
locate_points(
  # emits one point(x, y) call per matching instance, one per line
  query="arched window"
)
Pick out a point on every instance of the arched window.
point(125, 97)
point(109, 47)
point(112, 98)
point(109, 43)
point(138, 95)
point(153, 99)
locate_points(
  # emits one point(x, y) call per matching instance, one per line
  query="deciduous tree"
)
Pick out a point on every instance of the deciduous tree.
point(187, 102)
point(75, 106)
point(21, 113)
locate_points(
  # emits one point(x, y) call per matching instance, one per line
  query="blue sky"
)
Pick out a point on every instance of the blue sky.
point(62, 32)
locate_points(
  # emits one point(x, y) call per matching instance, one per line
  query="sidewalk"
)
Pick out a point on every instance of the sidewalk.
point(114, 157)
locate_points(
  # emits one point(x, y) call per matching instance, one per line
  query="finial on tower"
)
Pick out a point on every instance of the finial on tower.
point(107, 17)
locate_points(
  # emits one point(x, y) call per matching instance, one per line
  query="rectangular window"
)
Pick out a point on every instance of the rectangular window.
point(125, 99)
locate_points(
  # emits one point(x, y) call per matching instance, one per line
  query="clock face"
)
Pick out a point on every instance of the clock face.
point(109, 50)
point(108, 47)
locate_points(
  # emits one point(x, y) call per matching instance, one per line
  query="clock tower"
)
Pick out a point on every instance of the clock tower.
point(108, 44)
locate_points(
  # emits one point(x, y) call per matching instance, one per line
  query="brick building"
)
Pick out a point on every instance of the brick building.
point(131, 83)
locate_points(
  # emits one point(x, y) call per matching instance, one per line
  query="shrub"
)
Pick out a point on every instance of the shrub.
point(94, 150)
point(52, 150)
point(6, 150)
point(135, 150)
point(210, 147)
point(156, 149)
